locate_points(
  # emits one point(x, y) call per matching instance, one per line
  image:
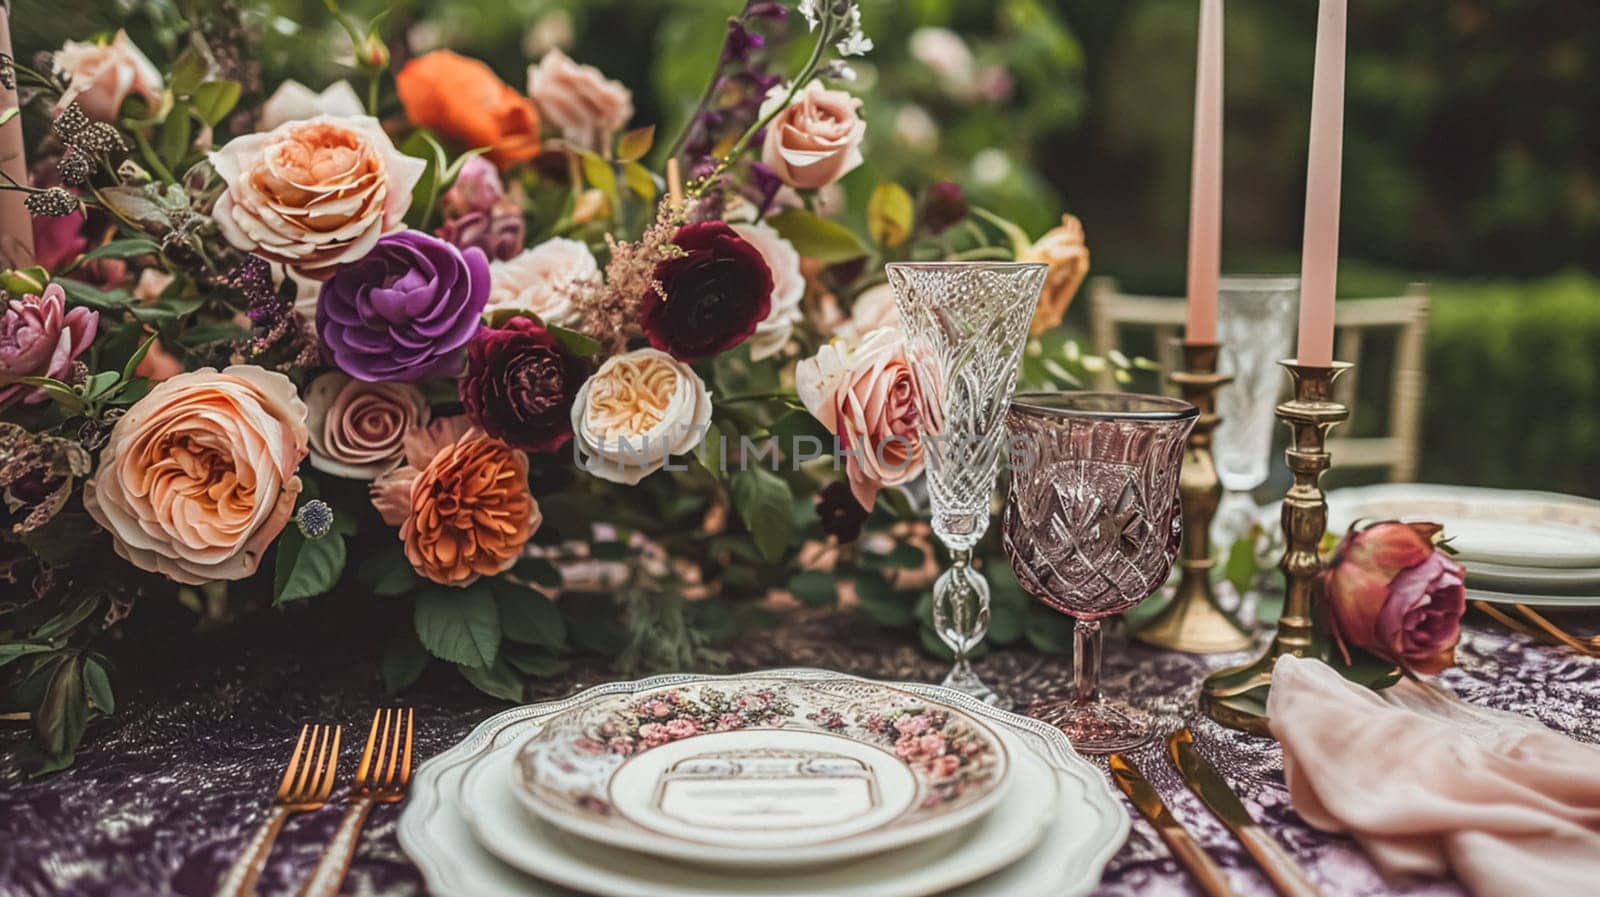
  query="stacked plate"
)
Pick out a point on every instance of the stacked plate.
point(793, 782)
point(1518, 547)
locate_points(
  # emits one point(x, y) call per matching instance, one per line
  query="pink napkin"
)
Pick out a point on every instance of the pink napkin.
point(1431, 785)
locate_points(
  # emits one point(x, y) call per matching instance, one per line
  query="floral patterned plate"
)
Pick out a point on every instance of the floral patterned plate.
point(762, 771)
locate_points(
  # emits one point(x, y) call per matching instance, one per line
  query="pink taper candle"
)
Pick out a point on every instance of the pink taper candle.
point(1205, 185)
point(16, 225)
point(1319, 262)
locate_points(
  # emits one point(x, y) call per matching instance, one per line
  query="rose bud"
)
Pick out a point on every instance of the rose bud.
point(1389, 591)
point(943, 207)
point(520, 385)
point(711, 297)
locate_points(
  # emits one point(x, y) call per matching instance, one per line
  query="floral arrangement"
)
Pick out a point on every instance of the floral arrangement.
point(498, 360)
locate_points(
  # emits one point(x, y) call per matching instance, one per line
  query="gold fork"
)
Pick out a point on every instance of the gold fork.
point(381, 778)
point(1540, 628)
point(305, 786)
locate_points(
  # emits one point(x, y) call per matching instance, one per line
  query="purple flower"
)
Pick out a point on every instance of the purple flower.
point(403, 311)
point(477, 188)
point(40, 338)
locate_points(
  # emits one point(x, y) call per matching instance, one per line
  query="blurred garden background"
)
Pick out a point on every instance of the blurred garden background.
point(1472, 152)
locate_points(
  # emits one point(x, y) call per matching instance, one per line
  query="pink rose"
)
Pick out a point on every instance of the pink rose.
point(476, 189)
point(654, 734)
point(866, 396)
point(873, 309)
point(198, 478)
point(358, 429)
point(730, 721)
point(313, 194)
point(943, 767)
point(39, 337)
point(911, 724)
point(101, 76)
point(580, 100)
point(1389, 591)
point(293, 101)
point(788, 288)
point(682, 728)
point(816, 140)
point(932, 744)
point(545, 280)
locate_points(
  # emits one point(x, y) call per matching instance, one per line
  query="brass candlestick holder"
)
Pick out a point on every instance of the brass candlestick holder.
point(1237, 697)
point(1192, 621)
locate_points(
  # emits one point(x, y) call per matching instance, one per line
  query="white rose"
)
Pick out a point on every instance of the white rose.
point(100, 76)
point(788, 288)
point(873, 309)
point(636, 411)
point(947, 54)
point(293, 101)
point(543, 280)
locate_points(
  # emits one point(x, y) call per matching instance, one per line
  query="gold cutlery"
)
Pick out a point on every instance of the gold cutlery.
point(1541, 628)
point(1213, 790)
point(305, 786)
point(381, 778)
point(1207, 874)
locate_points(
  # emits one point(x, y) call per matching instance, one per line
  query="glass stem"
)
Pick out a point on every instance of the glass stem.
point(1086, 662)
point(960, 560)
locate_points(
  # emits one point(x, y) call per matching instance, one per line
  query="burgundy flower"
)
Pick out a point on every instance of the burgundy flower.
point(841, 515)
point(716, 293)
point(520, 385)
point(1389, 591)
point(943, 207)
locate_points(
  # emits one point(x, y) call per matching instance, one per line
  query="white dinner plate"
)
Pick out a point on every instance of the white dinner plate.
point(930, 866)
point(760, 772)
point(1088, 827)
point(1536, 580)
point(1494, 526)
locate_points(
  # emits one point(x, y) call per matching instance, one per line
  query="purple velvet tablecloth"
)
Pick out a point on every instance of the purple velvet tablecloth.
point(163, 796)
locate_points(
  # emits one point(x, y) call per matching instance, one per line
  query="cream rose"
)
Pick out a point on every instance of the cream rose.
point(866, 395)
point(788, 288)
point(636, 411)
point(587, 106)
point(312, 194)
point(293, 101)
point(543, 280)
point(1064, 250)
point(358, 429)
point(873, 309)
point(198, 478)
point(101, 76)
point(816, 140)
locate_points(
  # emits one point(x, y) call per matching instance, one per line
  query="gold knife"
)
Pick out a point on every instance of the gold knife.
point(1213, 790)
point(1207, 874)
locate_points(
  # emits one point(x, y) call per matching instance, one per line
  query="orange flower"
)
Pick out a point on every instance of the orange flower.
point(461, 502)
point(1063, 249)
point(462, 100)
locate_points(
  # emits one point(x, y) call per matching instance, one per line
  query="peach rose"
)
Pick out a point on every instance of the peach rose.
point(464, 101)
point(313, 194)
point(873, 309)
point(788, 288)
point(816, 140)
point(357, 428)
point(543, 280)
point(1064, 250)
point(198, 478)
point(293, 101)
point(637, 410)
point(101, 76)
point(866, 395)
point(587, 106)
point(461, 501)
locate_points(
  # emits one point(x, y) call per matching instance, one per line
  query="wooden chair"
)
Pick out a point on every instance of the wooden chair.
point(1396, 452)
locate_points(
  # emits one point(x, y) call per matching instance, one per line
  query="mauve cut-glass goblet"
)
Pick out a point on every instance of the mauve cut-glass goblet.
point(965, 324)
point(1092, 527)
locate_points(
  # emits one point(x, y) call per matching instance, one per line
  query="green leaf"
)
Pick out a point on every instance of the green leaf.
point(9, 114)
point(461, 626)
point(58, 725)
point(1047, 630)
point(635, 143)
point(305, 567)
point(188, 70)
point(640, 181)
point(905, 555)
point(401, 659)
point(534, 662)
point(879, 603)
point(1241, 566)
point(709, 451)
point(18, 650)
point(213, 100)
point(137, 356)
point(817, 238)
point(104, 300)
point(386, 572)
point(423, 145)
point(762, 500)
point(815, 588)
point(600, 175)
point(97, 685)
point(1019, 239)
point(97, 384)
point(890, 213)
point(59, 392)
point(575, 342)
point(498, 680)
point(176, 133)
point(128, 247)
point(538, 571)
point(529, 617)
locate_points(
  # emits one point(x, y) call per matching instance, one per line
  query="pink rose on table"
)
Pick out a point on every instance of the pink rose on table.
point(312, 194)
point(39, 337)
point(866, 395)
point(816, 139)
point(198, 478)
point(587, 106)
point(101, 76)
point(1391, 592)
point(358, 429)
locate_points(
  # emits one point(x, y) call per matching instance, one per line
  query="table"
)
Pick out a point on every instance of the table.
point(162, 797)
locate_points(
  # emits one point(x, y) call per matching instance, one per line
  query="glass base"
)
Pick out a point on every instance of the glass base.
point(962, 678)
point(1095, 727)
